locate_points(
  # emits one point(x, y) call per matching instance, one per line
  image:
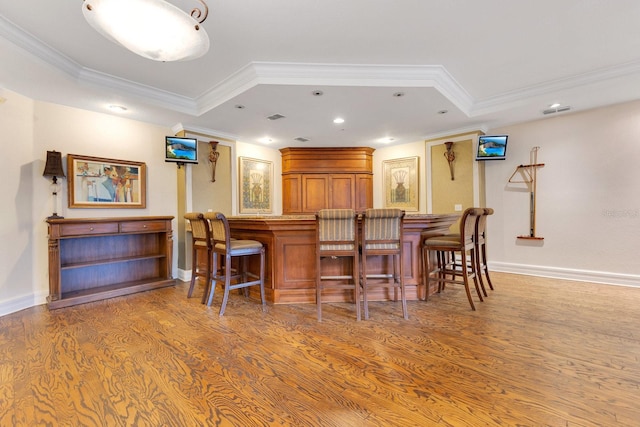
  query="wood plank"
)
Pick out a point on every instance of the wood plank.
point(537, 352)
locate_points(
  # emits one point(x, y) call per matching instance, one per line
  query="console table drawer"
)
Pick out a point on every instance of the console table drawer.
point(88, 229)
point(141, 226)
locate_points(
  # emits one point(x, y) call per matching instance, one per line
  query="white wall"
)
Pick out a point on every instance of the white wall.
point(19, 241)
point(30, 128)
point(588, 197)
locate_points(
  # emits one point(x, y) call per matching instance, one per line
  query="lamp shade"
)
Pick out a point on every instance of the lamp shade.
point(153, 29)
point(53, 167)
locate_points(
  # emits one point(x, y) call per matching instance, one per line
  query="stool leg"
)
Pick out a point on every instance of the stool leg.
point(465, 278)
point(194, 271)
point(227, 283)
point(262, 262)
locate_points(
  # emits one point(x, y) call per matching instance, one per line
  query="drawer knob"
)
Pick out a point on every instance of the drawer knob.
point(90, 228)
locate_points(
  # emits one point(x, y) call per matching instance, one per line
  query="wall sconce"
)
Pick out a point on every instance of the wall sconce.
point(450, 156)
point(53, 168)
point(213, 158)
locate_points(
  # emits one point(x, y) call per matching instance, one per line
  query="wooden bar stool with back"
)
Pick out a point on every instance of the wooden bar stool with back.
point(447, 269)
point(382, 237)
point(336, 237)
point(227, 248)
point(200, 251)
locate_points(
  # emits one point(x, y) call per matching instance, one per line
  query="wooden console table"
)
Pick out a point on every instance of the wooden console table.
point(97, 258)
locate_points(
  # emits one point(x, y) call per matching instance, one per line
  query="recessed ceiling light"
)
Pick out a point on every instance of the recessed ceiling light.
point(443, 111)
point(117, 108)
point(266, 140)
point(239, 106)
point(338, 120)
point(398, 94)
point(317, 93)
point(386, 140)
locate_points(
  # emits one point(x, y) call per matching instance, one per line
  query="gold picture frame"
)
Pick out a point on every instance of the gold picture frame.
point(256, 180)
point(401, 183)
point(96, 182)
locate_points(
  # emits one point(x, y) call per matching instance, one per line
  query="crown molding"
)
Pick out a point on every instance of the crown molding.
point(508, 99)
point(256, 73)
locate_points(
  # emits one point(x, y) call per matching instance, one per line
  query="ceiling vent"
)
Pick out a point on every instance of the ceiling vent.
point(556, 110)
point(275, 117)
point(301, 139)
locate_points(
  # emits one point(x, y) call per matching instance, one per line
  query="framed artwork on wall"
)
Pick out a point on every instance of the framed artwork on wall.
point(256, 179)
point(96, 182)
point(401, 183)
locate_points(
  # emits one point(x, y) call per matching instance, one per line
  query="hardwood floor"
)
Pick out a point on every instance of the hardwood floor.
point(537, 352)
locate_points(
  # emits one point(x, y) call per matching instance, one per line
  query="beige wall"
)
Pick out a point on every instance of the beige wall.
point(215, 196)
point(446, 193)
point(30, 128)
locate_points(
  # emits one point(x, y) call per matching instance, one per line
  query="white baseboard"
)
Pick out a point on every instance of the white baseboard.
point(28, 301)
point(184, 275)
point(21, 303)
point(604, 277)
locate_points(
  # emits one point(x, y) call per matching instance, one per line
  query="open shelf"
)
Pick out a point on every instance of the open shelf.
point(93, 259)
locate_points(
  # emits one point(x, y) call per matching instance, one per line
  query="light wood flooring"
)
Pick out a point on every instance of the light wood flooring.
point(537, 352)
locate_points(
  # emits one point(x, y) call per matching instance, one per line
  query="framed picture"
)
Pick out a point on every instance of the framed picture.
point(256, 179)
point(95, 182)
point(401, 183)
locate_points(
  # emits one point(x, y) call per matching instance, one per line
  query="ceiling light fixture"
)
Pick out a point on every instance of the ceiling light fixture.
point(386, 140)
point(153, 29)
point(117, 108)
point(338, 120)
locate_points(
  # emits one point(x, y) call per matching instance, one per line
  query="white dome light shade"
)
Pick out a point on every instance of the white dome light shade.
point(153, 29)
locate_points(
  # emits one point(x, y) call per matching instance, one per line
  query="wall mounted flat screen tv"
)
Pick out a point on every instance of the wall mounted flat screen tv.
point(180, 150)
point(492, 147)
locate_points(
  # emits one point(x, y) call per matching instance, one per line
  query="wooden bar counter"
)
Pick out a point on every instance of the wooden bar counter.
point(290, 244)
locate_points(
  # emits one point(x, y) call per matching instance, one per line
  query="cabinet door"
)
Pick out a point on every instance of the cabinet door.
point(342, 191)
point(364, 192)
point(291, 194)
point(315, 192)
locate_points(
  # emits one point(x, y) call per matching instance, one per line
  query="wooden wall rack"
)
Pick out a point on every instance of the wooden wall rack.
point(529, 173)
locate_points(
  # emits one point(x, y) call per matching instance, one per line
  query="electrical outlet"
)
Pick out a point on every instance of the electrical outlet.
point(457, 208)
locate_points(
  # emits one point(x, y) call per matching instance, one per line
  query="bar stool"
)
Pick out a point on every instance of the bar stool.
point(463, 245)
point(227, 248)
point(200, 251)
point(382, 236)
point(337, 237)
point(481, 248)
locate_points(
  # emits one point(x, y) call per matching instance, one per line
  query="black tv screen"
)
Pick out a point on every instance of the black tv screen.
point(180, 149)
point(492, 147)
